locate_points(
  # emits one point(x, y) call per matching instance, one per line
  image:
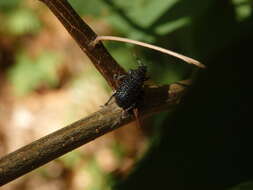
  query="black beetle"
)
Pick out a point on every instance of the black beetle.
point(130, 90)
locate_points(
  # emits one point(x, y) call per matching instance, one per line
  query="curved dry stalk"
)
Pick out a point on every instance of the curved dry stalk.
point(157, 48)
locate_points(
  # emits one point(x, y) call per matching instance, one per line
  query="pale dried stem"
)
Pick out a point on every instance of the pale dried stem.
point(160, 49)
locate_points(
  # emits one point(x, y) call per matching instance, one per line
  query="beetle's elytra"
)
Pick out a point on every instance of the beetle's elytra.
point(130, 89)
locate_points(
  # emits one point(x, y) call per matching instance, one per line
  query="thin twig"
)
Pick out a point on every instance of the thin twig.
point(83, 131)
point(160, 49)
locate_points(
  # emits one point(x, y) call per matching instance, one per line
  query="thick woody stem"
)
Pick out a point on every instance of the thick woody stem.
point(84, 36)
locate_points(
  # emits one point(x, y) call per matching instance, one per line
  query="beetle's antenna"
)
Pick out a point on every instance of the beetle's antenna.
point(163, 50)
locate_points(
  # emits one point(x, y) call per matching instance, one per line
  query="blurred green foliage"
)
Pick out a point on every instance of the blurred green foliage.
point(243, 9)
point(72, 159)
point(94, 8)
point(100, 179)
point(243, 186)
point(17, 19)
point(22, 21)
point(118, 150)
point(28, 74)
point(189, 27)
point(6, 6)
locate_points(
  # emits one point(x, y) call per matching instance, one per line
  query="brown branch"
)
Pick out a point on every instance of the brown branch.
point(84, 36)
point(83, 131)
point(105, 120)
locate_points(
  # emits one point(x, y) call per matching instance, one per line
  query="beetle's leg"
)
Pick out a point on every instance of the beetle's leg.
point(108, 101)
point(125, 112)
point(131, 107)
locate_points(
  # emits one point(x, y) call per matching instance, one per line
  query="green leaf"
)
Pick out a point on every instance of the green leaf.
point(171, 26)
point(46, 65)
point(23, 21)
point(142, 12)
point(7, 5)
point(28, 74)
point(71, 159)
point(243, 9)
point(89, 7)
